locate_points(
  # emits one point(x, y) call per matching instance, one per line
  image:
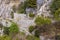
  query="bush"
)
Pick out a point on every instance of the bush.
point(1, 26)
point(47, 21)
point(31, 3)
point(21, 8)
point(57, 14)
point(6, 30)
point(31, 15)
point(57, 37)
point(29, 37)
point(14, 8)
point(54, 6)
point(42, 21)
point(12, 14)
point(13, 28)
point(39, 21)
point(5, 37)
point(31, 28)
point(37, 33)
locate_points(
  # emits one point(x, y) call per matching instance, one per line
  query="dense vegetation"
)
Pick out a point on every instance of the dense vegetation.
point(6, 30)
point(21, 8)
point(42, 21)
point(29, 37)
point(12, 14)
point(57, 14)
point(27, 4)
point(13, 33)
point(31, 15)
point(31, 28)
point(55, 7)
point(13, 30)
point(31, 3)
point(43, 25)
point(5, 37)
point(10, 32)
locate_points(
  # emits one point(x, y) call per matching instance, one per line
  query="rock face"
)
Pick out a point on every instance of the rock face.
point(5, 9)
point(40, 3)
point(5, 12)
point(44, 9)
point(23, 22)
point(21, 19)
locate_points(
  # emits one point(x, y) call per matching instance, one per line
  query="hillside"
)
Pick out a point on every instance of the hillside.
point(29, 19)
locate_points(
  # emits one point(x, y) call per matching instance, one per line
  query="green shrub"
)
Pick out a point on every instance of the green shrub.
point(57, 37)
point(31, 37)
point(6, 30)
point(14, 8)
point(57, 14)
point(31, 28)
point(39, 21)
point(37, 33)
point(12, 14)
point(13, 28)
point(31, 15)
point(1, 26)
point(31, 3)
point(47, 21)
point(21, 8)
point(5, 37)
point(54, 6)
point(42, 21)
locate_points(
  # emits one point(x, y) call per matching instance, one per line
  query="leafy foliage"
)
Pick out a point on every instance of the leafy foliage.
point(55, 6)
point(32, 38)
point(1, 26)
point(5, 37)
point(31, 3)
point(57, 14)
point(37, 33)
point(13, 28)
point(31, 15)
point(6, 30)
point(57, 37)
point(14, 8)
point(41, 21)
point(12, 14)
point(21, 8)
point(31, 28)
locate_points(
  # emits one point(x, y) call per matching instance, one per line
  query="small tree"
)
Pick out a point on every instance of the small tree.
point(39, 21)
point(13, 28)
point(54, 6)
point(42, 21)
point(57, 14)
point(14, 8)
point(5, 37)
point(6, 30)
point(57, 37)
point(31, 15)
point(21, 8)
point(31, 3)
point(37, 33)
point(31, 37)
point(1, 26)
point(31, 28)
point(12, 14)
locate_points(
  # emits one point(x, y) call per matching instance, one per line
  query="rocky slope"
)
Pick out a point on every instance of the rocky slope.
point(21, 19)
